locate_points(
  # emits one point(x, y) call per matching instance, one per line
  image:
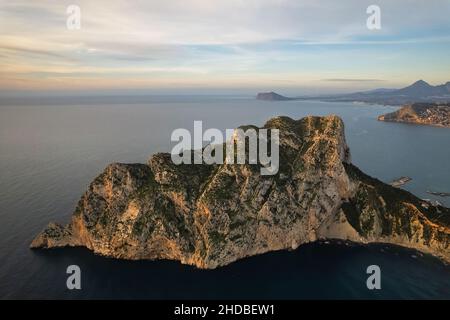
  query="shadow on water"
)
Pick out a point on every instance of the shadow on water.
point(318, 270)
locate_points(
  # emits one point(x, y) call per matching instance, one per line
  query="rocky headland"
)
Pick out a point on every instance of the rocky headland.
point(211, 215)
point(435, 114)
point(271, 96)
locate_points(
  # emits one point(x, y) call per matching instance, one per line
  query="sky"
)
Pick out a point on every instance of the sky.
point(212, 46)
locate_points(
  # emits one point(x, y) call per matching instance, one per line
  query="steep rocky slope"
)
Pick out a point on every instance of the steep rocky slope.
point(212, 215)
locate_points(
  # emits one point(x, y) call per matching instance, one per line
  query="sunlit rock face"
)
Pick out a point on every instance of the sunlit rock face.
point(212, 215)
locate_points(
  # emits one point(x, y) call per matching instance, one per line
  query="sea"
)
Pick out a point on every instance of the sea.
point(51, 149)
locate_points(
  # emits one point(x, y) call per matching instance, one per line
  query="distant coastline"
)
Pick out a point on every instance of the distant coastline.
point(419, 91)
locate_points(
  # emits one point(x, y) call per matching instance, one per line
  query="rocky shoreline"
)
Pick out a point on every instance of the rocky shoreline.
point(211, 215)
point(434, 114)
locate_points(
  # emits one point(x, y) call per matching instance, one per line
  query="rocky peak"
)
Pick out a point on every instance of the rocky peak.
point(421, 83)
point(212, 215)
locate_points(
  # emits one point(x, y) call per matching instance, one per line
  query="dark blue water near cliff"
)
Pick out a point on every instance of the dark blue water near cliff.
point(50, 152)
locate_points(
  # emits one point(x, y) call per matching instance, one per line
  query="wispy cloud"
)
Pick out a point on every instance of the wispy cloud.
point(214, 42)
point(17, 50)
point(352, 80)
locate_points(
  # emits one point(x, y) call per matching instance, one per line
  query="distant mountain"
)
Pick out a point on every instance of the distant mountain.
point(419, 91)
point(435, 114)
point(423, 89)
point(271, 96)
point(380, 90)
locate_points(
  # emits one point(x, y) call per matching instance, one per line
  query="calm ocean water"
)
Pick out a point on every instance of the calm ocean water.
point(49, 152)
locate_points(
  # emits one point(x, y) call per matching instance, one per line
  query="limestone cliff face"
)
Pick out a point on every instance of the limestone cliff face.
point(212, 215)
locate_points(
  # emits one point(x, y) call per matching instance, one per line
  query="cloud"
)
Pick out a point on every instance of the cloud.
point(352, 80)
point(195, 22)
point(278, 39)
point(17, 50)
